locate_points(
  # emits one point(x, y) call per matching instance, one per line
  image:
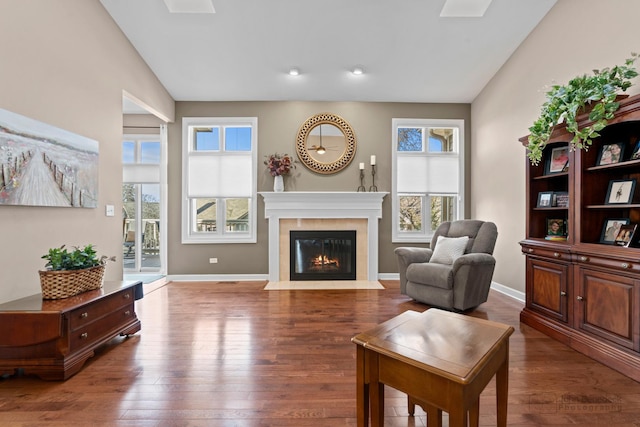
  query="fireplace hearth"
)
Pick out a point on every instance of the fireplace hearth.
point(322, 254)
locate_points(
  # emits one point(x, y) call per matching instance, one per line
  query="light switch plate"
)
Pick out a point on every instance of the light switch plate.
point(110, 210)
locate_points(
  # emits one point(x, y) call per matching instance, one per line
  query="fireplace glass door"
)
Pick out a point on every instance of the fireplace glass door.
point(323, 255)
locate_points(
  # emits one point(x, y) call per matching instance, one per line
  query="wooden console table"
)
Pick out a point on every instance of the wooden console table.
point(54, 338)
point(442, 360)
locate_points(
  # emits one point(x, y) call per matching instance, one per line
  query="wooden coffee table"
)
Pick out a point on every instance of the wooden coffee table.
point(442, 360)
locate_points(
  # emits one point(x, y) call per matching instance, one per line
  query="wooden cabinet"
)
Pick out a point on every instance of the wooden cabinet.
point(585, 290)
point(54, 338)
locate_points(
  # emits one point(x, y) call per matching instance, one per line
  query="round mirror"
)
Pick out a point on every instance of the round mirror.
point(325, 143)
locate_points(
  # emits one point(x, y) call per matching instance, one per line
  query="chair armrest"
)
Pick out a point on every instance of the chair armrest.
point(473, 260)
point(407, 256)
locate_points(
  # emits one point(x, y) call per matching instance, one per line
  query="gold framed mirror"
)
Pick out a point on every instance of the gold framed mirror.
point(325, 143)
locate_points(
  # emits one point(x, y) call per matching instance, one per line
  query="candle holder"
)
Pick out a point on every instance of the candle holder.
point(362, 187)
point(373, 179)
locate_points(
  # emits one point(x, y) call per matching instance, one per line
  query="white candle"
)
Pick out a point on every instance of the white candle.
point(362, 166)
point(373, 160)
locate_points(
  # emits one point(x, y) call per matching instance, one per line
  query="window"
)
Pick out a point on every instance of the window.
point(428, 176)
point(219, 179)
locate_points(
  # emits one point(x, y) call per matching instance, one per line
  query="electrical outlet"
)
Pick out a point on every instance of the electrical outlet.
point(213, 260)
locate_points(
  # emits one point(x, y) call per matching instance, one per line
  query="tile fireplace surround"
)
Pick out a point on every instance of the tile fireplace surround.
point(317, 210)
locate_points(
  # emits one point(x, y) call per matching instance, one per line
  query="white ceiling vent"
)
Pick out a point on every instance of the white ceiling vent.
point(190, 6)
point(464, 8)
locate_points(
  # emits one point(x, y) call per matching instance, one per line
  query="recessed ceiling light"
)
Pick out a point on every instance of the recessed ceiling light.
point(293, 71)
point(190, 6)
point(357, 71)
point(464, 8)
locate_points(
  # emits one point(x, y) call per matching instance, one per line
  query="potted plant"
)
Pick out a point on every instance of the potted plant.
point(597, 92)
point(279, 165)
point(69, 273)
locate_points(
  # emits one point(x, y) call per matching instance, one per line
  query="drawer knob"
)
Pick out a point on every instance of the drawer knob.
point(556, 254)
point(625, 265)
point(127, 296)
point(584, 258)
point(84, 336)
point(579, 298)
point(84, 315)
point(530, 250)
point(127, 313)
point(563, 294)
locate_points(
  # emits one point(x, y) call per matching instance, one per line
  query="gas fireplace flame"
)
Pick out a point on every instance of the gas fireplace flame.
point(325, 260)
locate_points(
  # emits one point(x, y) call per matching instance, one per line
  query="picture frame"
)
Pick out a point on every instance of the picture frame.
point(560, 199)
point(620, 191)
point(545, 199)
point(611, 229)
point(627, 235)
point(636, 151)
point(558, 160)
point(611, 153)
point(556, 227)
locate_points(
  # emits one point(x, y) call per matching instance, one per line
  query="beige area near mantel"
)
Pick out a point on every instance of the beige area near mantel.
point(323, 285)
point(357, 224)
point(297, 210)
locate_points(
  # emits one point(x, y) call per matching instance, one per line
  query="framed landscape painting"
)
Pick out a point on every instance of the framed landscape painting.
point(42, 165)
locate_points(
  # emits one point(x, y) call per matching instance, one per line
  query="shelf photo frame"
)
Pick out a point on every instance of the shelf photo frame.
point(611, 229)
point(636, 151)
point(620, 191)
point(558, 160)
point(610, 154)
point(627, 235)
point(545, 199)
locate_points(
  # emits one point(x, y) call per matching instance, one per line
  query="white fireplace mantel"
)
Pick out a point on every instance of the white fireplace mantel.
point(318, 204)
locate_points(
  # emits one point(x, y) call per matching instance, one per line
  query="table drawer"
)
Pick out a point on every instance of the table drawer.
point(99, 329)
point(91, 312)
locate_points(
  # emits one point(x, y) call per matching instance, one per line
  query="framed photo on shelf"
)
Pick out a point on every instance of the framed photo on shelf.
point(636, 152)
point(544, 199)
point(556, 227)
point(611, 229)
point(620, 191)
point(560, 199)
point(558, 160)
point(611, 153)
point(627, 235)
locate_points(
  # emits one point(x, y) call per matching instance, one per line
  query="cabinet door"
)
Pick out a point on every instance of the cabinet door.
point(607, 306)
point(547, 288)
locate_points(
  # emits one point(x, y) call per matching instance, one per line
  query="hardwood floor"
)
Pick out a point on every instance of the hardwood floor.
point(233, 354)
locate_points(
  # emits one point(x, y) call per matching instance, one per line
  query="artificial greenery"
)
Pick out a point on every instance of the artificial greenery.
point(77, 259)
point(565, 103)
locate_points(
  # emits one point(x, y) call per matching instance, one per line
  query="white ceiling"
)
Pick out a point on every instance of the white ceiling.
point(243, 51)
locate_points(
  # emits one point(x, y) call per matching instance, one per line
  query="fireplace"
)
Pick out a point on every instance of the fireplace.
point(322, 255)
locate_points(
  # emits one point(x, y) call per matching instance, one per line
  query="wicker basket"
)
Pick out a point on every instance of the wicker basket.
point(67, 283)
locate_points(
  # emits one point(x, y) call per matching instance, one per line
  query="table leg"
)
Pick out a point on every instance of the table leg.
point(474, 414)
point(434, 416)
point(362, 389)
point(376, 391)
point(502, 390)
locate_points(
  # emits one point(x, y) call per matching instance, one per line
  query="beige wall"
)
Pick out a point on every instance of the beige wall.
point(575, 37)
point(278, 123)
point(66, 63)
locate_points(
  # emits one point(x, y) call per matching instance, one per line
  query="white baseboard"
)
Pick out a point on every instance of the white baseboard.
point(217, 277)
point(510, 292)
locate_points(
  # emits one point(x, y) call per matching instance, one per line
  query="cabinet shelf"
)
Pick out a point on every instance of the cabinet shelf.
point(551, 176)
point(614, 206)
point(620, 165)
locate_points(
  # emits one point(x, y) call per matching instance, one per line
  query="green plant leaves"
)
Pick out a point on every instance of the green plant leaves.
point(566, 103)
point(80, 258)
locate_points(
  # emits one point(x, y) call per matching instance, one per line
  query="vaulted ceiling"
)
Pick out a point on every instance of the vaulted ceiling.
point(407, 50)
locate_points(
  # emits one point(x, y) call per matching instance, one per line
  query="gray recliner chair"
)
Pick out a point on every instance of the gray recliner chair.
point(459, 276)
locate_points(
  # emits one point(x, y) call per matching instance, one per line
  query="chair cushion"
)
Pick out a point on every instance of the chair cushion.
point(431, 274)
point(448, 249)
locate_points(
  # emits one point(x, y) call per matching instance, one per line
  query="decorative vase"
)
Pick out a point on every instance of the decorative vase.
point(278, 184)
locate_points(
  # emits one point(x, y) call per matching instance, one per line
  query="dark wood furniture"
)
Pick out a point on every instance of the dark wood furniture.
point(54, 338)
point(585, 292)
point(442, 360)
